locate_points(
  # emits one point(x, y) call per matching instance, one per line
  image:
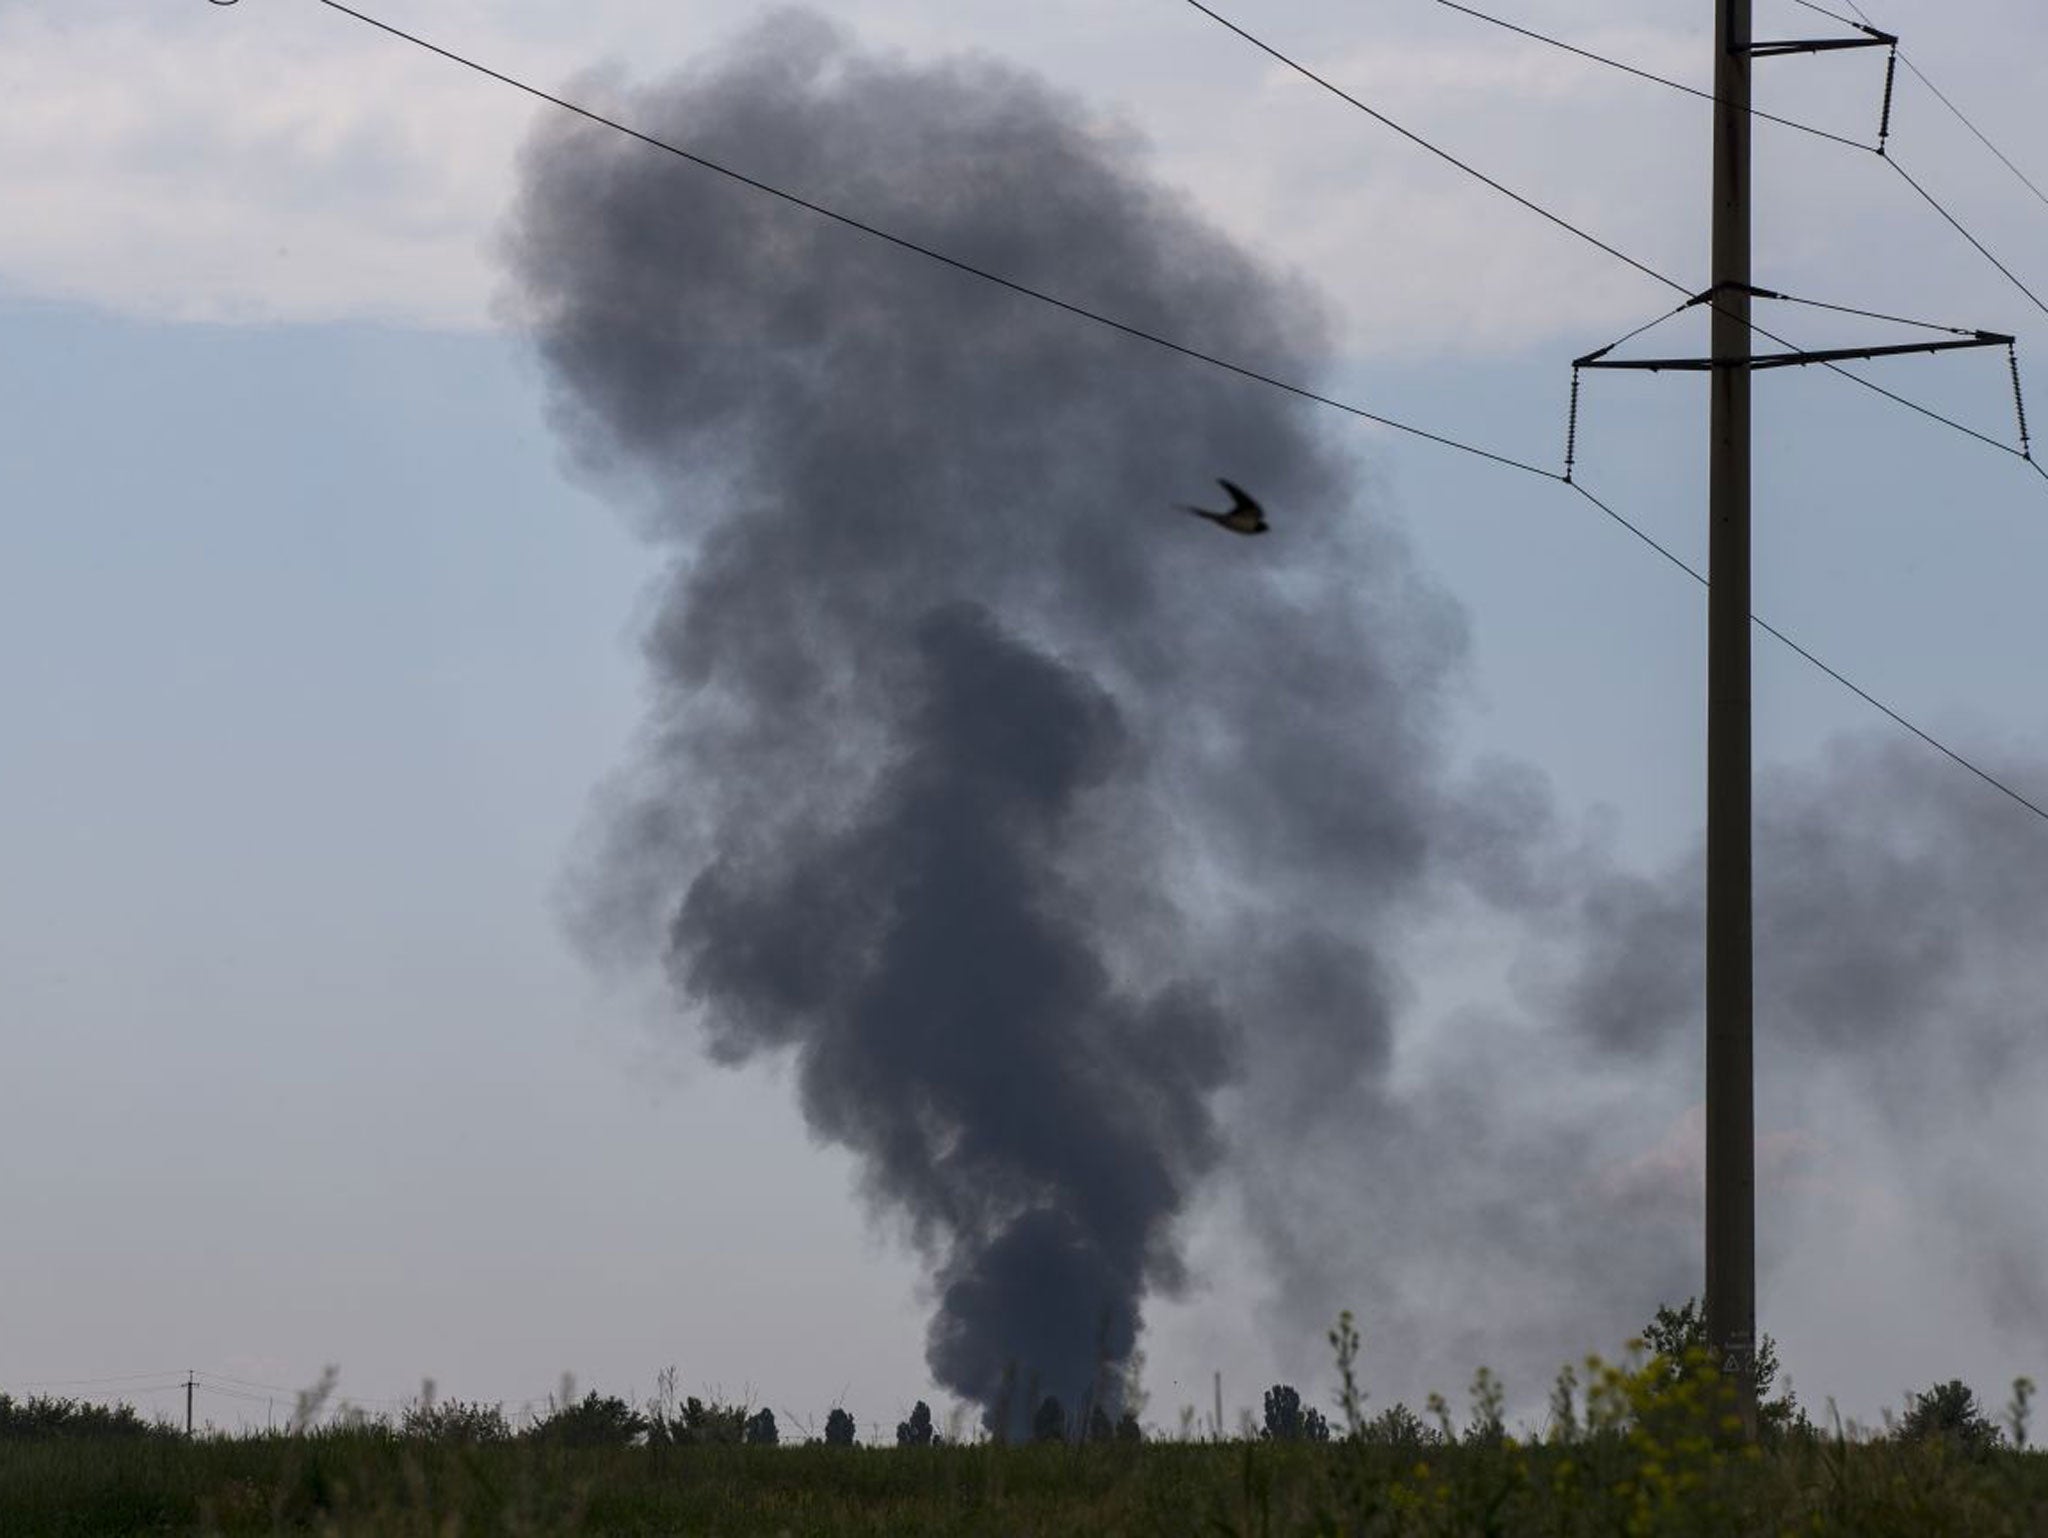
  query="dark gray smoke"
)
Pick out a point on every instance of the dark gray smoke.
point(1902, 964)
point(1068, 845)
point(1900, 907)
point(1534, 1176)
point(1017, 806)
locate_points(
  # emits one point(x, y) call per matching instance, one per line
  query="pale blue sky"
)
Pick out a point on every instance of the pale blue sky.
point(313, 653)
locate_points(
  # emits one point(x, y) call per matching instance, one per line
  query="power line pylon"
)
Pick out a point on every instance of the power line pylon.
point(1730, 1073)
point(1730, 1228)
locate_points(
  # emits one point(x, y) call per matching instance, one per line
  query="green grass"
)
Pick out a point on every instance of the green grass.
point(1668, 1480)
point(1645, 1450)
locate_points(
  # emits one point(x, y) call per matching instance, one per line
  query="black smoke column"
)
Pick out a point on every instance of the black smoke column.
point(1010, 801)
point(959, 1024)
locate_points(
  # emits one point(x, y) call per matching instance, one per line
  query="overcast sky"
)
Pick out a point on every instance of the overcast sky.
point(316, 650)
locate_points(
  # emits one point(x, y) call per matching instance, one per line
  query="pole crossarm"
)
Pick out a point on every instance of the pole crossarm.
point(1819, 45)
point(1790, 359)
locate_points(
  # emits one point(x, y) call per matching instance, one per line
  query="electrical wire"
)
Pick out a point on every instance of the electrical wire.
point(1957, 225)
point(1926, 411)
point(1821, 10)
point(126, 1377)
point(1630, 69)
point(1676, 85)
point(209, 1382)
point(1442, 154)
point(221, 1377)
point(1137, 332)
point(1127, 329)
point(2025, 180)
point(1850, 309)
point(1506, 460)
point(1666, 279)
point(902, 242)
point(241, 1395)
point(1770, 294)
point(1785, 640)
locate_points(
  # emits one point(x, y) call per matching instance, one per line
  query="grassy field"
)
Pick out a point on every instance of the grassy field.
point(1613, 1482)
point(1649, 1448)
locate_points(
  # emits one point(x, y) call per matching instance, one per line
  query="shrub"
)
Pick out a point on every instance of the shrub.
point(42, 1418)
point(760, 1429)
point(1399, 1427)
point(1287, 1420)
point(839, 1428)
point(455, 1423)
point(698, 1424)
point(917, 1431)
point(592, 1422)
point(1050, 1423)
point(1677, 1339)
point(1949, 1412)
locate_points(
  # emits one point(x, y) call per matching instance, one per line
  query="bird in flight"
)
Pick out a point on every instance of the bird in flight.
point(1245, 515)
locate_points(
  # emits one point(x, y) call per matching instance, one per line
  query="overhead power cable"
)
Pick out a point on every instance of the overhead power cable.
point(1878, 150)
point(1862, 25)
point(1442, 154)
point(125, 1377)
point(1850, 309)
point(1644, 74)
point(1783, 639)
point(1126, 328)
point(223, 1383)
point(2025, 180)
point(1957, 225)
point(1507, 460)
point(1664, 278)
point(244, 1383)
point(242, 1395)
point(928, 252)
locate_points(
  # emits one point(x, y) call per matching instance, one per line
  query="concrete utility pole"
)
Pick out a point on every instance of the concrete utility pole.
point(1730, 365)
point(1731, 1142)
point(188, 1404)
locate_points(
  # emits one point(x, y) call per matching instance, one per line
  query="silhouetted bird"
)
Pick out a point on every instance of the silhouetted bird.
point(1245, 515)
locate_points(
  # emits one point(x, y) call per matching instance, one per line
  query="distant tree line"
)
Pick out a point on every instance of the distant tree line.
point(40, 1418)
point(1676, 1370)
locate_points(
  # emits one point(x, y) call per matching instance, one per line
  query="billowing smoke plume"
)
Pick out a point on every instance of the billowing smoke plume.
point(1529, 1185)
point(1015, 804)
point(1071, 847)
point(1901, 971)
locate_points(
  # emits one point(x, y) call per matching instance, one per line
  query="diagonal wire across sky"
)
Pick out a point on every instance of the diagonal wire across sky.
point(1199, 355)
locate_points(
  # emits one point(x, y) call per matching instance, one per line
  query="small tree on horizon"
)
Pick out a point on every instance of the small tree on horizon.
point(698, 1424)
point(917, 1431)
point(1050, 1423)
point(1288, 1420)
point(455, 1423)
point(593, 1421)
point(1678, 1337)
point(760, 1429)
point(1949, 1412)
point(1283, 1414)
point(839, 1428)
